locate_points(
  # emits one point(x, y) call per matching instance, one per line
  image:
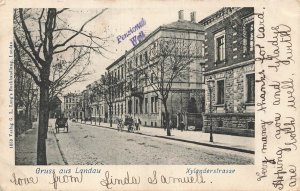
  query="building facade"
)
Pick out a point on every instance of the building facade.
point(73, 105)
point(229, 58)
point(98, 105)
point(166, 66)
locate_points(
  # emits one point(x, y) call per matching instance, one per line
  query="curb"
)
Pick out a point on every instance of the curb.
point(187, 141)
point(59, 156)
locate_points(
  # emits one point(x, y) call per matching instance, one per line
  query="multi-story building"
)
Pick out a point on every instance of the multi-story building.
point(229, 56)
point(166, 66)
point(73, 105)
point(98, 104)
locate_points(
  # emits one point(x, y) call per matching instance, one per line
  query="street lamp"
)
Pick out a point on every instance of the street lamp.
point(210, 83)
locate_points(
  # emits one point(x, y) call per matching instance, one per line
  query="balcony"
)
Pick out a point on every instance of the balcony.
point(137, 92)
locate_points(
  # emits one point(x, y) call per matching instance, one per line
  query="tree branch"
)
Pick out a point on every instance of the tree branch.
point(30, 72)
point(29, 39)
point(78, 32)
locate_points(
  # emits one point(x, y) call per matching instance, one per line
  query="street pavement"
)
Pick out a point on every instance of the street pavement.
point(231, 142)
point(26, 147)
point(86, 144)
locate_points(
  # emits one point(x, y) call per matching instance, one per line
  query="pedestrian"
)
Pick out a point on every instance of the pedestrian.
point(182, 125)
point(137, 124)
point(171, 124)
point(168, 127)
point(140, 123)
point(165, 124)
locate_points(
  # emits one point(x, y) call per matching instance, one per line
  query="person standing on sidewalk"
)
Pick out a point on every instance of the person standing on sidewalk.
point(182, 125)
point(171, 124)
point(165, 124)
point(140, 123)
point(137, 124)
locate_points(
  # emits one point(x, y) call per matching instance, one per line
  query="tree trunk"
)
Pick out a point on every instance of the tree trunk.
point(167, 118)
point(26, 127)
point(99, 117)
point(43, 125)
point(110, 116)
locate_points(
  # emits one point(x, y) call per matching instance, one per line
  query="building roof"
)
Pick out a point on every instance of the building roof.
point(71, 94)
point(115, 62)
point(220, 14)
point(184, 25)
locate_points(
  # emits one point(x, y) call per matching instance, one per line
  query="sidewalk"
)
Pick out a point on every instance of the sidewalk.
point(26, 146)
point(237, 143)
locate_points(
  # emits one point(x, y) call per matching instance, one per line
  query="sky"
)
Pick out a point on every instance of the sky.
point(117, 21)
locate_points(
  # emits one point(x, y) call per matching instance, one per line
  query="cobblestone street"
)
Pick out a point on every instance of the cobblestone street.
point(86, 144)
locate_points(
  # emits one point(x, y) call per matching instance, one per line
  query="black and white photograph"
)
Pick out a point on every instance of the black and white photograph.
point(149, 95)
point(92, 88)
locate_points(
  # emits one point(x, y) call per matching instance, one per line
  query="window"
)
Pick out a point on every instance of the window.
point(249, 37)
point(146, 105)
point(251, 125)
point(250, 88)
point(129, 66)
point(141, 106)
point(122, 72)
point(141, 59)
point(136, 60)
point(220, 123)
point(220, 46)
point(156, 104)
point(220, 92)
point(152, 104)
point(146, 81)
point(129, 106)
point(146, 56)
point(152, 77)
point(248, 34)
point(122, 90)
point(220, 49)
point(136, 105)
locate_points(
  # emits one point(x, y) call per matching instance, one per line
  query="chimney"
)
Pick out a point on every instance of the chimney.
point(180, 15)
point(193, 16)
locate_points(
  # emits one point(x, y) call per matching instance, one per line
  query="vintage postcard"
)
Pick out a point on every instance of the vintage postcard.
point(149, 95)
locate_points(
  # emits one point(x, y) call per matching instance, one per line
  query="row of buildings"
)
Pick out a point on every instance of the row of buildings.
point(165, 77)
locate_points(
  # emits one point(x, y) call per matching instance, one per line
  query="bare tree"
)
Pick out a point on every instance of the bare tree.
point(45, 36)
point(168, 63)
point(25, 98)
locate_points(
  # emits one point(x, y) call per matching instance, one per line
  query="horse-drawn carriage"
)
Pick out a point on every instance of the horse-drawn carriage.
point(61, 123)
point(129, 122)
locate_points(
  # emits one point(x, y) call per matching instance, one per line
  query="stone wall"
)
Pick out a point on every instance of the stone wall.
point(242, 124)
point(234, 101)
